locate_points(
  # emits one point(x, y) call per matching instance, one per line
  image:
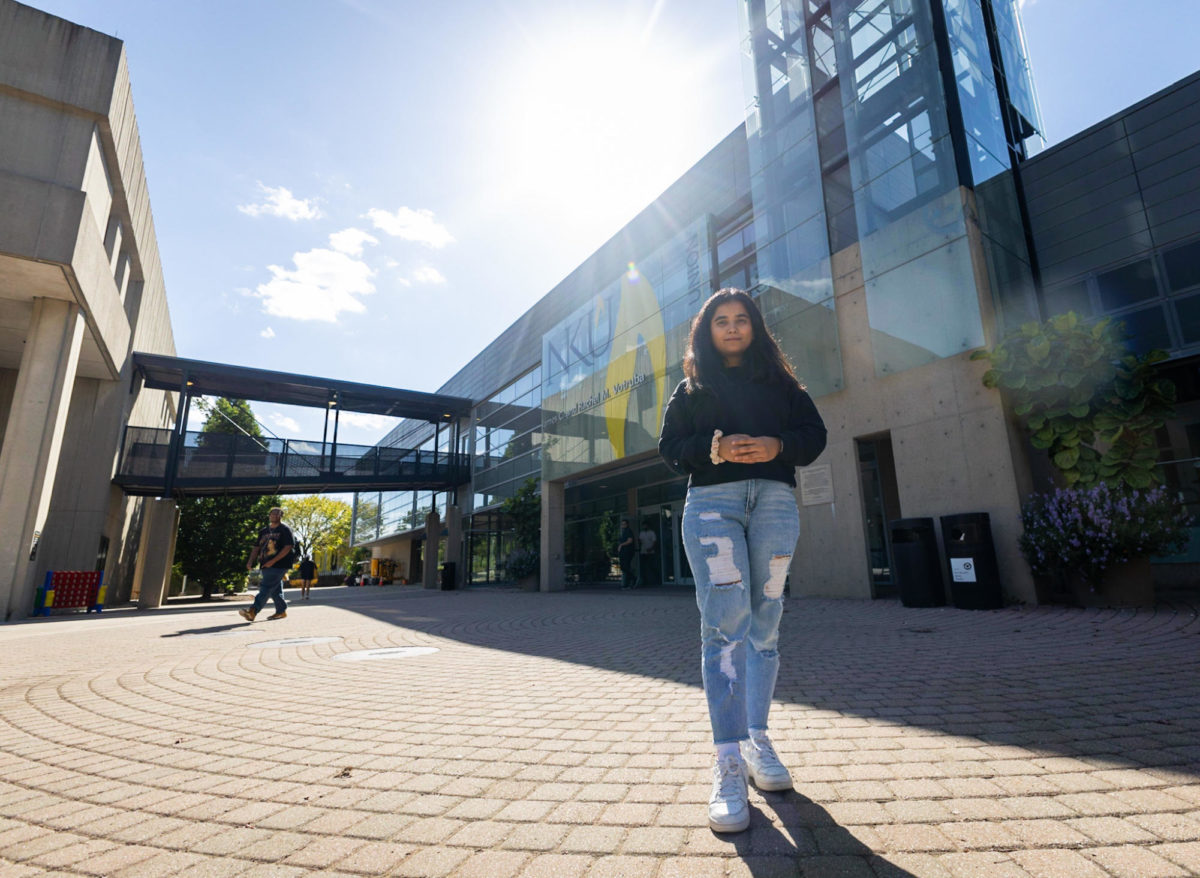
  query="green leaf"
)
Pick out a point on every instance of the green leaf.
point(1067, 459)
point(1071, 379)
point(1038, 349)
point(1080, 410)
point(1138, 478)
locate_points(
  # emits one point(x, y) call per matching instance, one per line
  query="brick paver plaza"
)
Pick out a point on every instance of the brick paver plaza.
point(566, 735)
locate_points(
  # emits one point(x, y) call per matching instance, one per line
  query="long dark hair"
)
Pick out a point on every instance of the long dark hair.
point(702, 363)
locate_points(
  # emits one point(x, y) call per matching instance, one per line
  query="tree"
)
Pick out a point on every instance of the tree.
point(216, 534)
point(319, 524)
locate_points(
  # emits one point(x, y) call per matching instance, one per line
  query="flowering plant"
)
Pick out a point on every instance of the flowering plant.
point(1089, 530)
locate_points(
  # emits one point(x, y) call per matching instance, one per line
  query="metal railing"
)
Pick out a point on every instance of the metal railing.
point(228, 463)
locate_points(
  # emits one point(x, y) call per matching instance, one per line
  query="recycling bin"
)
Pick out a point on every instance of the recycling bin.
point(916, 566)
point(971, 561)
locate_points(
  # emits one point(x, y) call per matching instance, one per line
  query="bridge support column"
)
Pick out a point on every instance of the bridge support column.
point(32, 442)
point(554, 565)
point(454, 543)
point(433, 536)
point(156, 552)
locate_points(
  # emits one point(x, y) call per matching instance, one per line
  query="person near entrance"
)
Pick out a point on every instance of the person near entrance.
point(308, 575)
point(625, 553)
point(647, 556)
point(273, 551)
point(738, 425)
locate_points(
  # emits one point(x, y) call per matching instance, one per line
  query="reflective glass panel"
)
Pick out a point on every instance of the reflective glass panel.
point(1188, 311)
point(1183, 266)
point(1147, 329)
point(1126, 285)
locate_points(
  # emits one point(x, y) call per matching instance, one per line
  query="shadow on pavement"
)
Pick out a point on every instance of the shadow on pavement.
point(810, 838)
point(1121, 686)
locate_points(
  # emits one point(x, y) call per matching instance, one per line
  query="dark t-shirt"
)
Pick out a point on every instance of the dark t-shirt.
point(271, 541)
point(625, 543)
point(308, 570)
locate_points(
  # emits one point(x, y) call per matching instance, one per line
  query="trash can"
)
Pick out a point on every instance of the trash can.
point(448, 576)
point(971, 561)
point(916, 566)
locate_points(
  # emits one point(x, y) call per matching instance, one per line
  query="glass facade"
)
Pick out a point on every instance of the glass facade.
point(853, 140)
point(508, 440)
point(790, 138)
point(885, 130)
point(609, 368)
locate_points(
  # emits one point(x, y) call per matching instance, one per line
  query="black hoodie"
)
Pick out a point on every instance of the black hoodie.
point(735, 403)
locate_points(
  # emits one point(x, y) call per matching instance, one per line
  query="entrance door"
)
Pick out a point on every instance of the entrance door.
point(880, 503)
point(672, 565)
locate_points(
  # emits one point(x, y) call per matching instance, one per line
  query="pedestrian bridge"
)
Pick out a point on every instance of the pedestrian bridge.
point(221, 463)
point(176, 462)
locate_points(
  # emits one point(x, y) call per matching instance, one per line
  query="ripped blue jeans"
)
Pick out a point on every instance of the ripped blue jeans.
point(739, 538)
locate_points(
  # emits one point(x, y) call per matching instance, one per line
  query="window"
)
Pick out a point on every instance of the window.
point(1127, 285)
point(1183, 266)
point(1068, 297)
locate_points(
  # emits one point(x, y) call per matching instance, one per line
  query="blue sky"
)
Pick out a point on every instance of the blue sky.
point(371, 190)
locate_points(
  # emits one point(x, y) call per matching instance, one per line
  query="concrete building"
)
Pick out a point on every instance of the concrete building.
point(81, 287)
point(886, 203)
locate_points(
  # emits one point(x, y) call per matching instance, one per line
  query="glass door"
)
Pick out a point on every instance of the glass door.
point(674, 563)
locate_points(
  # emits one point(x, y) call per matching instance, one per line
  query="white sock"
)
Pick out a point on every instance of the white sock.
point(726, 750)
point(757, 735)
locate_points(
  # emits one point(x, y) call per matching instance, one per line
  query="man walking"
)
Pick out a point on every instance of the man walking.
point(274, 551)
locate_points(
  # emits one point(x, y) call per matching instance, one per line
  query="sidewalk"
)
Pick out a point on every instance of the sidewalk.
point(566, 735)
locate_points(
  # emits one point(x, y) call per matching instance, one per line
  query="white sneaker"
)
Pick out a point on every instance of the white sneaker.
point(728, 806)
point(763, 766)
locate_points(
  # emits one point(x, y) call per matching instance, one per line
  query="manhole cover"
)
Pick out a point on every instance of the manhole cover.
point(294, 641)
point(391, 652)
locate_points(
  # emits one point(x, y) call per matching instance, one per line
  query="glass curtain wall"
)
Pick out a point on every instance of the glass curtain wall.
point(795, 284)
point(508, 439)
point(922, 302)
point(608, 368)
point(991, 150)
point(507, 452)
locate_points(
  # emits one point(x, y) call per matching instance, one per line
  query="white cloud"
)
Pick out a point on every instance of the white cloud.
point(284, 422)
point(427, 274)
point(281, 202)
point(268, 333)
point(350, 241)
point(411, 225)
point(364, 420)
point(323, 284)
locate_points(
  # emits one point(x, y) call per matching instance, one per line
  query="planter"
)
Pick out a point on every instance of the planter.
point(529, 583)
point(1130, 584)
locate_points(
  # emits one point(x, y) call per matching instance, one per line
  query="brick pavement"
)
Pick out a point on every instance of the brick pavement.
point(566, 735)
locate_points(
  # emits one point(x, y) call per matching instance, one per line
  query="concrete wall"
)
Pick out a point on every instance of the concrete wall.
point(77, 225)
point(955, 450)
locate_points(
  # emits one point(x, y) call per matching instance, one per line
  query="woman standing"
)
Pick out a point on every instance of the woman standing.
point(739, 424)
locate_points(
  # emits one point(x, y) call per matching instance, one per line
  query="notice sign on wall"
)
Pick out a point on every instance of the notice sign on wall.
point(962, 569)
point(816, 485)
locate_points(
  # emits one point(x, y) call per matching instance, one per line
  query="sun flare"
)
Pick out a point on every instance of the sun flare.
point(596, 120)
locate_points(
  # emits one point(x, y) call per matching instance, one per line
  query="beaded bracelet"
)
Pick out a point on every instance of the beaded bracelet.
point(714, 453)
